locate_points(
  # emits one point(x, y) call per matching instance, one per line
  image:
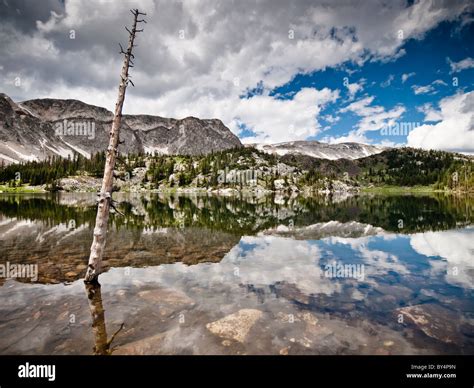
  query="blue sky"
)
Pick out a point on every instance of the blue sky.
point(426, 62)
point(272, 71)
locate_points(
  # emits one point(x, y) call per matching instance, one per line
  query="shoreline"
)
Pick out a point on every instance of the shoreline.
point(234, 191)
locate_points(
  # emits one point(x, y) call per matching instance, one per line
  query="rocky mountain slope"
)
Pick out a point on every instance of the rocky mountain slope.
point(36, 129)
point(320, 150)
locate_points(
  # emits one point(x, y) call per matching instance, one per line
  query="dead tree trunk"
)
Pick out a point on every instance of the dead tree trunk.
point(105, 195)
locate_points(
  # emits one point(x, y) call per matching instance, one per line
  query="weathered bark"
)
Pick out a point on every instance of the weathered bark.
point(105, 195)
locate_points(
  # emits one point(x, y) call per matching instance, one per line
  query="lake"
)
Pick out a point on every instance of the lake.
point(199, 274)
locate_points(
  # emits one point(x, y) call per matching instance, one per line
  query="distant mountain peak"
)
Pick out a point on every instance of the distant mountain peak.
point(321, 150)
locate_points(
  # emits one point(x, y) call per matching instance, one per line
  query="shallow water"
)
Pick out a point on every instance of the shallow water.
point(216, 275)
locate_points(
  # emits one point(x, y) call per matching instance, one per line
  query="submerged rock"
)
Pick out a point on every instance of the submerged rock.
point(167, 296)
point(292, 293)
point(146, 346)
point(235, 326)
point(435, 321)
point(307, 317)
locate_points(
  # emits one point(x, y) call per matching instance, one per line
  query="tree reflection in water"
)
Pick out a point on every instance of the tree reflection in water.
point(102, 344)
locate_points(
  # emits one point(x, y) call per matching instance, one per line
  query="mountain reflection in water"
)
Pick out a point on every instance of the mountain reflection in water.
point(227, 275)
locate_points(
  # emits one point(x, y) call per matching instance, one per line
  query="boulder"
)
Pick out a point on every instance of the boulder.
point(434, 320)
point(235, 326)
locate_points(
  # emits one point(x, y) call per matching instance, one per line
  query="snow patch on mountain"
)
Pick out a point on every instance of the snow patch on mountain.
point(320, 150)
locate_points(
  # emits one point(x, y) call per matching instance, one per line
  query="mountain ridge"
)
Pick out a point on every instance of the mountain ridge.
point(29, 132)
point(39, 128)
point(320, 150)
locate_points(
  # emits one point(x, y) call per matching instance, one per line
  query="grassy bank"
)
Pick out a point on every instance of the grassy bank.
point(400, 189)
point(21, 189)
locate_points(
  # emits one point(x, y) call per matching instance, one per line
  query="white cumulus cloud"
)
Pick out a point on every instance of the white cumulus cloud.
point(455, 129)
point(227, 49)
point(464, 64)
point(405, 76)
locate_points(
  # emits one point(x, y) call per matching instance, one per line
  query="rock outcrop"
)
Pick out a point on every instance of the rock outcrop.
point(38, 129)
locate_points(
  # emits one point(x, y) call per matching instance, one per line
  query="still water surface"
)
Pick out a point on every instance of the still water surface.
point(227, 275)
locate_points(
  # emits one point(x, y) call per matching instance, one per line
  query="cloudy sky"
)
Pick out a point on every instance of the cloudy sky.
point(271, 70)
